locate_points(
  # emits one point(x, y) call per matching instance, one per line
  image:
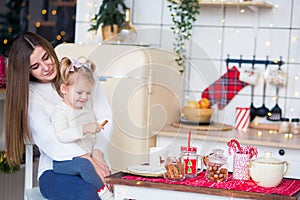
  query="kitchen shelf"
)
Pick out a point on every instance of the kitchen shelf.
point(46, 23)
point(64, 3)
point(235, 4)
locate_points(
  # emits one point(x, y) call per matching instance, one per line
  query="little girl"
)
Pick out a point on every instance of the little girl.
point(74, 120)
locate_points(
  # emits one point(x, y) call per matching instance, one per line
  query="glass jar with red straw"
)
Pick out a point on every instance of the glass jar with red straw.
point(191, 159)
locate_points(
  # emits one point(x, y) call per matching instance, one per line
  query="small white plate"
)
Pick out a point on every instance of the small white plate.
point(146, 170)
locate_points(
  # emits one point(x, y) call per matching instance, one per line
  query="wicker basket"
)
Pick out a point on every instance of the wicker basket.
point(201, 115)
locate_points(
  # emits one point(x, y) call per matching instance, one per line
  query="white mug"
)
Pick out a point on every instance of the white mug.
point(249, 76)
point(156, 157)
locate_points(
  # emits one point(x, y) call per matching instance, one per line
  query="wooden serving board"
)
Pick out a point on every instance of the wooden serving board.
point(274, 127)
point(214, 126)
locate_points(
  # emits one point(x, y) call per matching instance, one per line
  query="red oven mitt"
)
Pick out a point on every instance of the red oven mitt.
point(225, 88)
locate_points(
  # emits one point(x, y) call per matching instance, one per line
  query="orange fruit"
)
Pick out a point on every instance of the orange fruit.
point(204, 103)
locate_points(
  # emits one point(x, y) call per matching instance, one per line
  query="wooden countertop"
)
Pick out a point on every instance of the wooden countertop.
point(116, 179)
point(250, 136)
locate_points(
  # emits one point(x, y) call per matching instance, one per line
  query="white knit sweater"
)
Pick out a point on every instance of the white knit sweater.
point(42, 100)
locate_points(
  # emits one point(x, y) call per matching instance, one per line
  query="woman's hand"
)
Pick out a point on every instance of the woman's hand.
point(104, 171)
point(100, 166)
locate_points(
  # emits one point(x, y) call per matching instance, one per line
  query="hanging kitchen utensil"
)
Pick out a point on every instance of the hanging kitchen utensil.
point(276, 112)
point(252, 108)
point(263, 110)
point(277, 78)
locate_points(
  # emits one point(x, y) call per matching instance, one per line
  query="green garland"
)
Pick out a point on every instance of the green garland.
point(4, 166)
point(183, 13)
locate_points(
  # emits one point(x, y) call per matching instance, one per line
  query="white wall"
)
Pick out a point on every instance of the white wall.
point(274, 33)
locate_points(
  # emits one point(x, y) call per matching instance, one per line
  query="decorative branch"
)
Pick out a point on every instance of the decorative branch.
point(183, 13)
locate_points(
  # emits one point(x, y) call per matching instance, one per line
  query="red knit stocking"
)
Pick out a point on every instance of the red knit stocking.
point(225, 88)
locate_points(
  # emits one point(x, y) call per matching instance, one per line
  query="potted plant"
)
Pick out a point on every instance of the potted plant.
point(110, 17)
point(183, 13)
point(4, 166)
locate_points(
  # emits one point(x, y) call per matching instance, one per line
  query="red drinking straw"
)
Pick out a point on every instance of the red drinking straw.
point(189, 139)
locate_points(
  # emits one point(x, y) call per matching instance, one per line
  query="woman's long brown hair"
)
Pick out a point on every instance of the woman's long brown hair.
point(16, 127)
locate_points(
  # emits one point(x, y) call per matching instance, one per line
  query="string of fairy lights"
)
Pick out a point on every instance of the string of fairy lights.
point(54, 12)
point(294, 40)
point(92, 9)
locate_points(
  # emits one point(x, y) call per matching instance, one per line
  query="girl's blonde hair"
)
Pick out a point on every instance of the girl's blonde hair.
point(69, 69)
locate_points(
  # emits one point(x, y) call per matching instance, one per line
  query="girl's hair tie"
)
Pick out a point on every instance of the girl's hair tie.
point(77, 64)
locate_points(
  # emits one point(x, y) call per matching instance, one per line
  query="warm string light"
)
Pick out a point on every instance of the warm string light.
point(294, 41)
point(93, 7)
point(259, 133)
point(296, 79)
point(54, 12)
point(288, 135)
point(44, 12)
point(38, 24)
point(59, 37)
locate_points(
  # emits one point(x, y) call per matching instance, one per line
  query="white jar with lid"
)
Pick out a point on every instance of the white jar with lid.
point(216, 166)
point(284, 126)
point(295, 126)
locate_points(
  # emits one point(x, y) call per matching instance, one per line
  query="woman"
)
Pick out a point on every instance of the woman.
point(30, 100)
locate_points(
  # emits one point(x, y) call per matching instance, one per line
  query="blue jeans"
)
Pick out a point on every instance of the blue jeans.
point(80, 167)
point(66, 187)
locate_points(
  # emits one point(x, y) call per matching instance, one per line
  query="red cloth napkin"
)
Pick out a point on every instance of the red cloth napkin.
point(225, 88)
point(288, 187)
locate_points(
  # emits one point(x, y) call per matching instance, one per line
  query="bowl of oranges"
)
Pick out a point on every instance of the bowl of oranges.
point(198, 111)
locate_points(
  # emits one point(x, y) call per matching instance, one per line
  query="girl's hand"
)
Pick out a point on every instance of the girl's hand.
point(92, 128)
